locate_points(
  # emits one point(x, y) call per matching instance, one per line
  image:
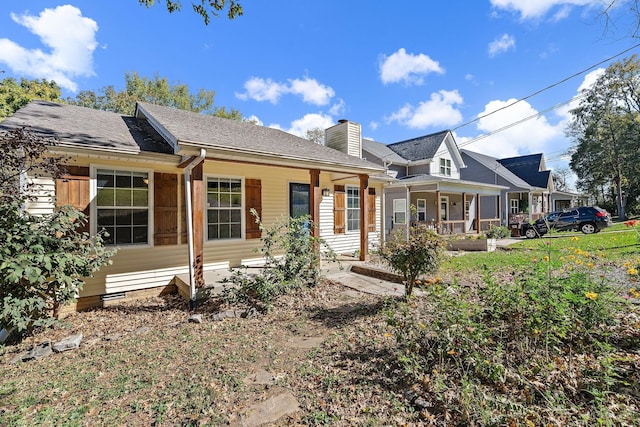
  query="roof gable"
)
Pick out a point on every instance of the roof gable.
point(420, 148)
point(529, 168)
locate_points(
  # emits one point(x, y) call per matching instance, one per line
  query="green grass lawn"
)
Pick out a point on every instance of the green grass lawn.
point(618, 244)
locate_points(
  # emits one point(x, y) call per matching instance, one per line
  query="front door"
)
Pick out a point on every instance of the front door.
point(299, 200)
point(444, 208)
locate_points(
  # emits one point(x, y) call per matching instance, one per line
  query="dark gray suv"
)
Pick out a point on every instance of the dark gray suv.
point(588, 219)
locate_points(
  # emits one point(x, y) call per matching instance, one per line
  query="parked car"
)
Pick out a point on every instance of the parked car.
point(588, 219)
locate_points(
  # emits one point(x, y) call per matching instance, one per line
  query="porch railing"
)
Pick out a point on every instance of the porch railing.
point(457, 226)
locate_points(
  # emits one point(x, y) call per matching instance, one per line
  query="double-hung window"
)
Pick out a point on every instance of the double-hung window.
point(353, 208)
point(399, 211)
point(445, 167)
point(224, 208)
point(122, 206)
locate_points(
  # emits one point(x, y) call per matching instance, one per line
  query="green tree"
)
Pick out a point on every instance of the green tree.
point(155, 91)
point(43, 259)
point(206, 8)
point(606, 130)
point(15, 95)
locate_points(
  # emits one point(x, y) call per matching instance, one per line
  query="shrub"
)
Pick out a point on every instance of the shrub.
point(523, 349)
point(498, 232)
point(292, 260)
point(419, 254)
point(43, 259)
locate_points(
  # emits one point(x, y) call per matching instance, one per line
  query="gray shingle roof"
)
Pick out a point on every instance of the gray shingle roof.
point(528, 168)
point(494, 165)
point(382, 151)
point(214, 132)
point(87, 128)
point(420, 148)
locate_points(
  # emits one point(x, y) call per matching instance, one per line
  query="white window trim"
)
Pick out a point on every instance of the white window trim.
point(443, 199)
point(515, 205)
point(403, 211)
point(447, 165)
point(422, 209)
point(243, 219)
point(93, 210)
point(346, 208)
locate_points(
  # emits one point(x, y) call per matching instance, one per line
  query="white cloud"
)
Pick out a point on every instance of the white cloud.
point(338, 108)
point(309, 121)
point(528, 136)
point(533, 9)
point(70, 38)
point(311, 91)
point(501, 45)
point(255, 120)
point(588, 81)
point(260, 89)
point(407, 67)
point(300, 126)
point(439, 110)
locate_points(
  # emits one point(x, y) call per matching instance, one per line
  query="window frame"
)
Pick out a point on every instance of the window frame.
point(348, 192)
point(93, 190)
point(398, 211)
point(513, 206)
point(444, 200)
point(207, 208)
point(300, 185)
point(445, 166)
point(421, 209)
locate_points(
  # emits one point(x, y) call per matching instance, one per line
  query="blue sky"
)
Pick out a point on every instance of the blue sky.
point(401, 69)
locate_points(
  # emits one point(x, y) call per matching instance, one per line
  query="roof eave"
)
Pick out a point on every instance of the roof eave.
point(252, 156)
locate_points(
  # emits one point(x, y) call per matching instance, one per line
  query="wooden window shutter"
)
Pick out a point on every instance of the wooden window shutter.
point(253, 200)
point(371, 214)
point(165, 209)
point(339, 210)
point(73, 189)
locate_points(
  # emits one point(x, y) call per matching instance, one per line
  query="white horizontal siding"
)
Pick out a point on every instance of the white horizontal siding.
point(349, 242)
point(44, 189)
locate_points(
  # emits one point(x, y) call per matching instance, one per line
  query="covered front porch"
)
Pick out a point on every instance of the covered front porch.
point(445, 206)
point(527, 206)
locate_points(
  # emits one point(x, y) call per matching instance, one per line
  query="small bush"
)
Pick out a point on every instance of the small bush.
point(498, 232)
point(419, 254)
point(292, 261)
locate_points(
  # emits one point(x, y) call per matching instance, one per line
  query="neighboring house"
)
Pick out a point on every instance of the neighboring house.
point(567, 199)
point(130, 175)
point(428, 179)
point(530, 193)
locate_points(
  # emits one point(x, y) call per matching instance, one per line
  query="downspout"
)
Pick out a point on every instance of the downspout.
point(187, 191)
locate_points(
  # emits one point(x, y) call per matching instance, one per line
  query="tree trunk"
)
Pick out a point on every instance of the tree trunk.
point(622, 216)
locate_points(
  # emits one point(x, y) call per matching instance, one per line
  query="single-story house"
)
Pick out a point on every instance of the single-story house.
point(175, 190)
point(567, 199)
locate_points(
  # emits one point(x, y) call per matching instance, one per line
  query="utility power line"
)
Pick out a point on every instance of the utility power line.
point(548, 87)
